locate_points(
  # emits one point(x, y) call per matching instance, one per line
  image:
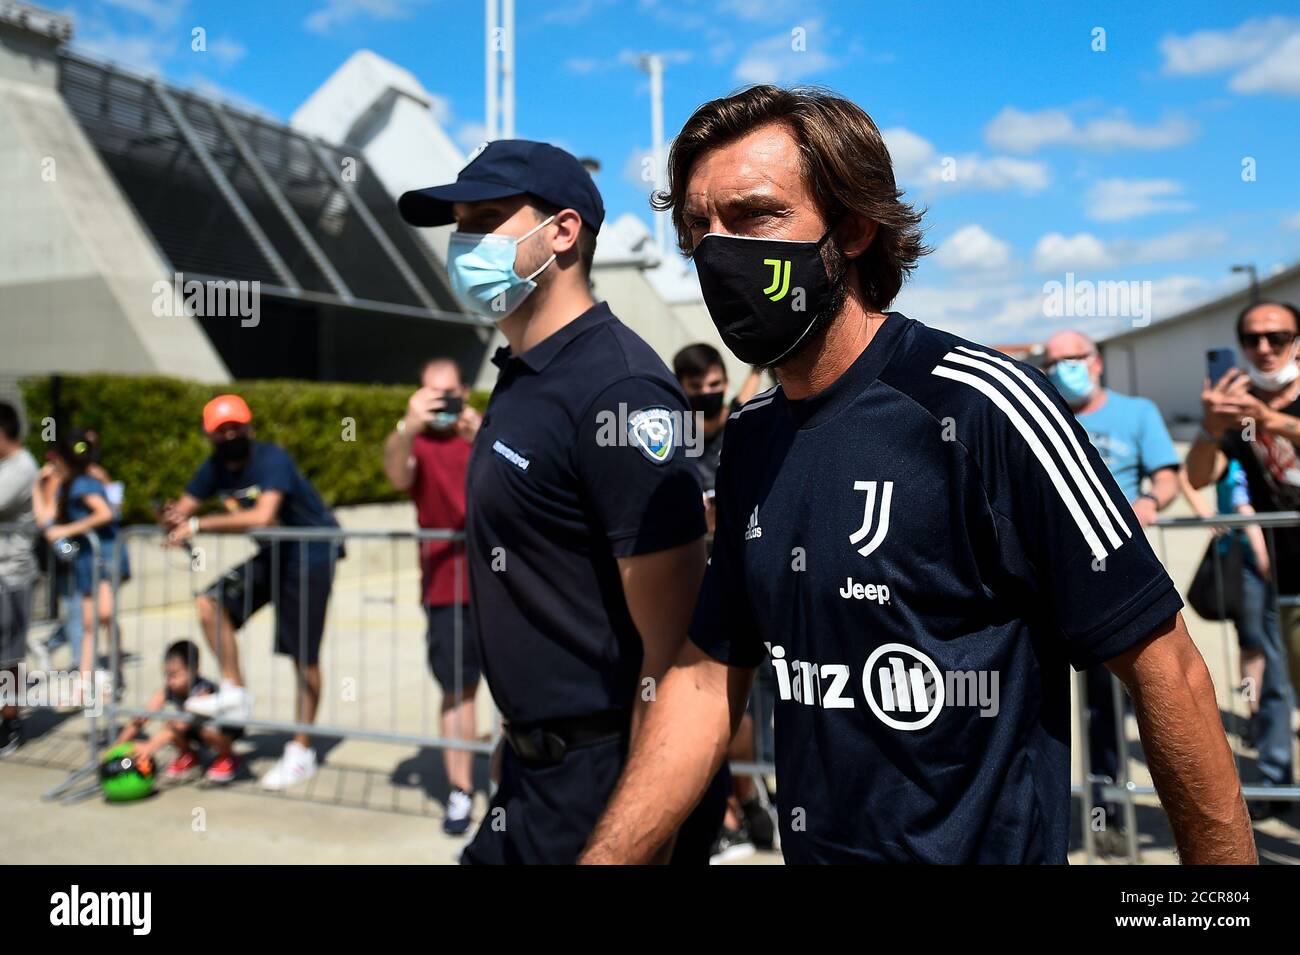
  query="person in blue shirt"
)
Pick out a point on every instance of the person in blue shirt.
point(1130, 435)
point(259, 485)
point(910, 533)
point(82, 510)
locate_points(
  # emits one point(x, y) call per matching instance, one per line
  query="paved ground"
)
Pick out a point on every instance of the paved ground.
point(372, 802)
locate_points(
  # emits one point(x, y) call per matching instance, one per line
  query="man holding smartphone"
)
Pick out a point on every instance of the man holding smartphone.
point(1253, 417)
point(427, 454)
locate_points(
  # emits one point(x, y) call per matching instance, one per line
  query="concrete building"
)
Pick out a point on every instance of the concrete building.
point(145, 224)
point(1165, 361)
point(125, 189)
point(386, 114)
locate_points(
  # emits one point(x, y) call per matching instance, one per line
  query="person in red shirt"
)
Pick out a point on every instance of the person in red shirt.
point(428, 454)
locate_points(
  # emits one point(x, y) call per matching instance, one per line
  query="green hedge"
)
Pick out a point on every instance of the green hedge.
point(151, 436)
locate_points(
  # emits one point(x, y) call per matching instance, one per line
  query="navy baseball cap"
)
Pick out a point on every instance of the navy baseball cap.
point(510, 167)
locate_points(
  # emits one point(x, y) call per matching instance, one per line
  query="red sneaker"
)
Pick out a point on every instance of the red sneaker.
point(185, 763)
point(223, 769)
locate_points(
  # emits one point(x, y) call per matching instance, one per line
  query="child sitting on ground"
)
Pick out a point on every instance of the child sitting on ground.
point(182, 680)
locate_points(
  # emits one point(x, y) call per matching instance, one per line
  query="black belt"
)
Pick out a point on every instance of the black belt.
point(547, 742)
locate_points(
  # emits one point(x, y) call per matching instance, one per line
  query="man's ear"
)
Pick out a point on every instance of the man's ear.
point(568, 224)
point(854, 234)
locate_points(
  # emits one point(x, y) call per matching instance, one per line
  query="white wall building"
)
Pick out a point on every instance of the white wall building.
point(1165, 361)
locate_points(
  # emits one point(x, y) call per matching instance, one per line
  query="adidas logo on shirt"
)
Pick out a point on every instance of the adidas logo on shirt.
point(753, 531)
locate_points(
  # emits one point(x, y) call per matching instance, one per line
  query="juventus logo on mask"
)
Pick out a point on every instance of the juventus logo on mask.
point(881, 523)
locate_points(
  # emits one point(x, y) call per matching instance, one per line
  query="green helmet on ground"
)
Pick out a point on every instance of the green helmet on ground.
point(125, 777)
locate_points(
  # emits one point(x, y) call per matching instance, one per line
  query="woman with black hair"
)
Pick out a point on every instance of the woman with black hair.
point(82, 508)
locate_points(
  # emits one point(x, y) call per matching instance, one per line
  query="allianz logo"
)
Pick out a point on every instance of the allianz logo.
point(902, 686)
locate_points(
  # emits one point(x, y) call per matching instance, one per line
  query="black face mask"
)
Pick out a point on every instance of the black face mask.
point(233, 449)
point(708, 405)
point(764, 295)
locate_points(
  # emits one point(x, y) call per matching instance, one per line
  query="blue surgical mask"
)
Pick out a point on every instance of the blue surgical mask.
point(482, 271)
point(1072, 380)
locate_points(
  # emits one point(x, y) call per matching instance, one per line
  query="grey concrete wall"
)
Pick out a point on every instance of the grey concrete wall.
point(77, 269)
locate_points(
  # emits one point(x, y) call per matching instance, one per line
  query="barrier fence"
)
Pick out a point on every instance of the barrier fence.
point(376, 684)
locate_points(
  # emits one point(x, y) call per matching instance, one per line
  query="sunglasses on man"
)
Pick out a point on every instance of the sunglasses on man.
point(1275, 339)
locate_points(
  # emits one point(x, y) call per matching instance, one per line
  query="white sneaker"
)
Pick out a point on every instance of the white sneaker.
point(44, 660)
point(230, 700)
point(459, 805)
point(297, 765)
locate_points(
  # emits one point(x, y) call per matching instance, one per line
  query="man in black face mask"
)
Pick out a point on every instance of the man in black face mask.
point(260, 486)
point(703, 376)
point(915, 532)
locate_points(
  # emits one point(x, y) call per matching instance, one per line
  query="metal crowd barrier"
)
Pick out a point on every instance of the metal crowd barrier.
point(376, 599)
point(43, 597)
point(1124, 790)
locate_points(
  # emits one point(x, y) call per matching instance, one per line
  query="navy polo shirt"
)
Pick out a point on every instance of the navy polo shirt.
point(920, 551)
point(579, 461)
point(270, 468)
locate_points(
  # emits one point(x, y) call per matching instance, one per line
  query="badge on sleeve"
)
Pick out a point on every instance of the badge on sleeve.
point(654, 431)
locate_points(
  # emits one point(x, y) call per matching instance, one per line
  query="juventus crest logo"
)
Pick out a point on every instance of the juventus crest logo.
point(881, 523)
point(780, 279)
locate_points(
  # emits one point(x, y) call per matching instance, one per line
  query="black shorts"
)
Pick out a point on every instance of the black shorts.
point(544, 814)
point(453, 663)
point(299, 589)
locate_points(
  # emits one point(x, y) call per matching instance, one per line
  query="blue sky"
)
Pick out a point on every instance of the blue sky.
point(1122, 163)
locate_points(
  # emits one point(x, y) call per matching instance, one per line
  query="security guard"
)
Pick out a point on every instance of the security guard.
point(585, 526)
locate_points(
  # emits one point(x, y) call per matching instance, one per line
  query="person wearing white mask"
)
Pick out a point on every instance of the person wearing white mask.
point(1130, 435)
point(1253, 417)
point(584, 518)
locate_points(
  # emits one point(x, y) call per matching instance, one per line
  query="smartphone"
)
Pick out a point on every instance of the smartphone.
point(1218, 362)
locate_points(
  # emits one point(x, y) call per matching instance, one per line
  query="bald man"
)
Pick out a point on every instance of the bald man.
point(1134, 444)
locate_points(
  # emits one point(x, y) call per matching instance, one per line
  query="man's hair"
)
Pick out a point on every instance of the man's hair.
point(696, 360)
point(441, 360)
point(1241, 316)
point(186, 652)
point(586, 235)
point(9, 422)
point(845, 164)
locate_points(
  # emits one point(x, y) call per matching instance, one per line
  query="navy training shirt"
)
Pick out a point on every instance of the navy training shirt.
point(578, 462)
point(269, 468)
point(924, 548)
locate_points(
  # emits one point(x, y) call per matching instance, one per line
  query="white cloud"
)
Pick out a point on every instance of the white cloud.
point(1085, 252)
point(779, 59)
point(1212, 51)
point(1279, 72)
point(227, 52)
point(1018, 131)
point(469, 136)
point(911, 153)
point(140, 52)
point(1292, 221)
point(1077, 253)
point(916, 161)
point(1111, 200)
point(973, 249)
point(1264, 51)
point(334, 13)
point(994, 173)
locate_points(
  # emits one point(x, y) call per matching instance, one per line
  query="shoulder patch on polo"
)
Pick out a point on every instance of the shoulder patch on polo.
point(654, 431)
